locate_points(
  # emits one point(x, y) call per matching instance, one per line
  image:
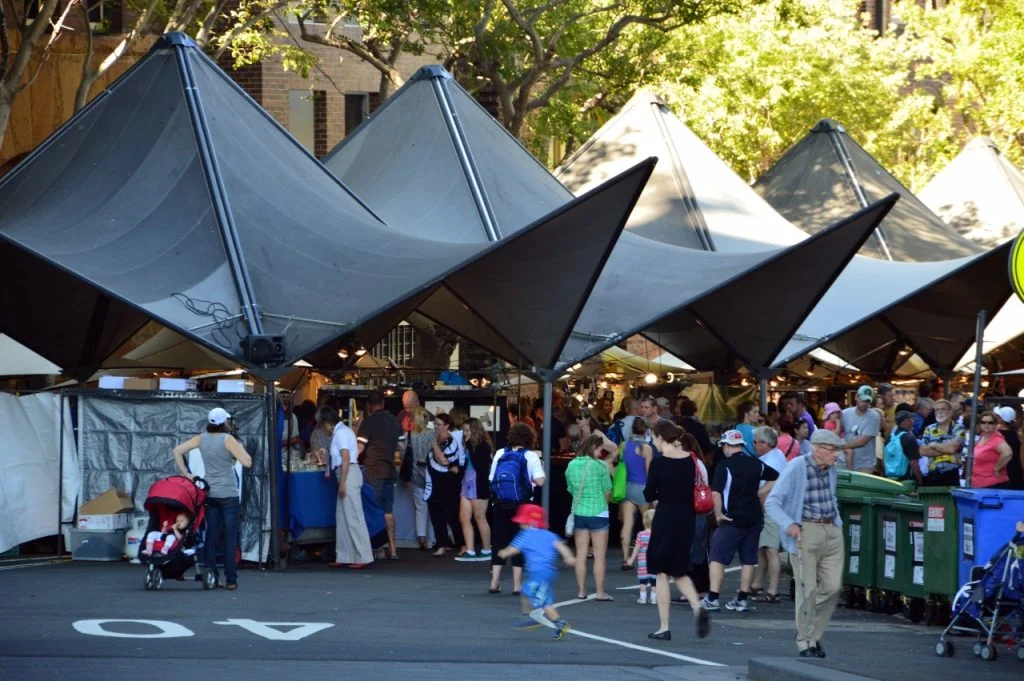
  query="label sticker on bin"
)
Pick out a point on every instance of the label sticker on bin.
point(969, 539)
point(854, 565)
point(936, 518)
point(890, 566)
point(919, 574)
point(889, 532)
point(854, 538)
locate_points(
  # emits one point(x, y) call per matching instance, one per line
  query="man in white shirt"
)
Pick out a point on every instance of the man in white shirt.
point(765, 444)
point(352, 546)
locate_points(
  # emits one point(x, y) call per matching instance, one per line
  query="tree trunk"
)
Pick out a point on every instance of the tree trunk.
point(6, 99)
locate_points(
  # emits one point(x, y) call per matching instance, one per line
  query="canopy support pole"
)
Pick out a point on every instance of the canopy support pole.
point(763, 388)
point(547, 377)
point(979, 356)
point(274, 461)
point(60, 482)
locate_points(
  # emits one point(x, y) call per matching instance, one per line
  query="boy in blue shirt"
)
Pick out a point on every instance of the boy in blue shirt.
point(540, 549)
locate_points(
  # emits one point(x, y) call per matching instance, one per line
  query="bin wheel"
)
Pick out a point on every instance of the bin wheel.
point(893, 603)
point(850, 596)
point(209, 580)
point(931, 613)
point(988, 653)
point(944, 649)
point(976, 648)
point(1020, 653)
point(874, 600)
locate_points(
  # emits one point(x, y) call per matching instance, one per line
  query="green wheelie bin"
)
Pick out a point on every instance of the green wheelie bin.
point(941, 555)
point(899, 557)
point(855, 491)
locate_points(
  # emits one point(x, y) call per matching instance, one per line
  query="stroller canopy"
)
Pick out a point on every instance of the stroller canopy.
point(175, 492)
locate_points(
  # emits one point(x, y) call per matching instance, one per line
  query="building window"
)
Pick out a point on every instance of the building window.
point(399, 345)
point(357, 108)
point(105, 16)
point(302, 118)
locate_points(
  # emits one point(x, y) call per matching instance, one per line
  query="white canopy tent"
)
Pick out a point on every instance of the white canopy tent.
point(17, 360)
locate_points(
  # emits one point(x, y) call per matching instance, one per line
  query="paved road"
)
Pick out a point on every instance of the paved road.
point(418, 616)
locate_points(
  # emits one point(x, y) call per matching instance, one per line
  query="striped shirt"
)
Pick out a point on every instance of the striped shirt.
point(819, 504)
point(588, 481)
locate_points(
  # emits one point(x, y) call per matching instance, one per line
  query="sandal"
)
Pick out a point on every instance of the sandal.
point(765, 597)
point(494, 590)
point(606, 599)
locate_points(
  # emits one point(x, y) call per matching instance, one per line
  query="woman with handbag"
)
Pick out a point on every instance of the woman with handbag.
point(414, 470)
point(673, 483)
point(591, 487)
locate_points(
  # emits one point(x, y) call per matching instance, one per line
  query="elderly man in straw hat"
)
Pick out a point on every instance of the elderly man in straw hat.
point(803, 503)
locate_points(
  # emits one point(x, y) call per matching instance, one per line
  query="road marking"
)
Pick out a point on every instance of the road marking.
point(164, 629)
point(538, 616)
point(736, 568)
point(35, 563)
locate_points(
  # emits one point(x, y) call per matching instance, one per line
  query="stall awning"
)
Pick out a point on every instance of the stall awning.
point(433, 163)
point(827, 175)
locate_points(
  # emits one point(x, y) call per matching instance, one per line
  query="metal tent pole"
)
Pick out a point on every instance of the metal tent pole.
point(546, 444)
point(979, 355)
point(763, 387)
point(274, 461)
point(60, 482)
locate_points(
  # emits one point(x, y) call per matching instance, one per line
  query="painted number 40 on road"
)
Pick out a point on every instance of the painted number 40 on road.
point(274, 631)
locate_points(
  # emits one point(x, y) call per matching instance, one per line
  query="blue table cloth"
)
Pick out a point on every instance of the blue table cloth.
point(311, 503)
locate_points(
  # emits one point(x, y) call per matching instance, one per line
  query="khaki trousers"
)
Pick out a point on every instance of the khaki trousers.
point(820, 563)
point(353, 539)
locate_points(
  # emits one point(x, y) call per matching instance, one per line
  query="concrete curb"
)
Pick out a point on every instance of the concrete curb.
point(789, 669)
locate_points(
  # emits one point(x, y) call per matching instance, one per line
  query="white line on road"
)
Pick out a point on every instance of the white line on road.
point(35, 563)
point(538, 615)
point(735, 568)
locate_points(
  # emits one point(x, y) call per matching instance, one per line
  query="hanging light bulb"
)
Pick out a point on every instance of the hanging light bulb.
point(360, 351)
point(343, 353)
point(650, 379)
point(773, 384)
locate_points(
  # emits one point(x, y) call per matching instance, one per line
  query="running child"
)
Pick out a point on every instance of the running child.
point(639, 557)
point(540, 549)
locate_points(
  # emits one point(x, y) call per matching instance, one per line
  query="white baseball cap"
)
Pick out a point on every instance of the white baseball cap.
point(218, 416)
point(1007, 414)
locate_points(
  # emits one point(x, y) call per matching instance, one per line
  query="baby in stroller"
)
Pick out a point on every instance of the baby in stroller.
point(177, 513)
point(164, 539)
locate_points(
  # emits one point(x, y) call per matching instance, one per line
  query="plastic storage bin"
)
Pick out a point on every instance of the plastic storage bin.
point(987, 521)
point(855, 492)
point(104, 545)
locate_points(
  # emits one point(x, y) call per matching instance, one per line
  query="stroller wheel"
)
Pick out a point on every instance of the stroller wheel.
point(158, 580)
point(944, 649)
point(147, 581)
point(209, 580)
point(1020, 653)
point(976, 648)
point(988, 653)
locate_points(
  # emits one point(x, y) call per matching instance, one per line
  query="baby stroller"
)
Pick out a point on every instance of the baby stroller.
point(991, 605)
point(167, 499)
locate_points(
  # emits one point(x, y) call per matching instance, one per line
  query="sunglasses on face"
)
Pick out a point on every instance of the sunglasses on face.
point(987, 423)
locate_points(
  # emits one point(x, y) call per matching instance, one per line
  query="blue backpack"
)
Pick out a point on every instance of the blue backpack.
point(511, 478)
point(615, 432)
point(896, 462)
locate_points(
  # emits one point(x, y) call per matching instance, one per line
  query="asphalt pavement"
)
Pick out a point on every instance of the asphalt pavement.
point(423, 616)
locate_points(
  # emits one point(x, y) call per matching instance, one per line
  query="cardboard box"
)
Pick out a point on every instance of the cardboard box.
point(141, 384)
point(179, 384)
point(235, 386)
point(105, 545)
point(127, 383)
point(112, 501)
point(103, 521)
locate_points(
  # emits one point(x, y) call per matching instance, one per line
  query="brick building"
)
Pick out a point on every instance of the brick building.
point(337, 96)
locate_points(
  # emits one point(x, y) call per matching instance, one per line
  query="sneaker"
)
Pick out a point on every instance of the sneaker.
point(642, 600)
point(738, 605)
point(486, 553)
point(710, 605)
point(652, 599)
point(561, 629)
point(526, 623)
point(467, 557)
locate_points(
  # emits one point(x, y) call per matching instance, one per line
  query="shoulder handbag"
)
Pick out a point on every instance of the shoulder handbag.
point(570, 522)
point(703, 502)
point(405, 470)
point(619, 481)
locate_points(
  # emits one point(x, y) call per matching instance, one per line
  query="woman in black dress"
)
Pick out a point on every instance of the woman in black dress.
point(670, 481)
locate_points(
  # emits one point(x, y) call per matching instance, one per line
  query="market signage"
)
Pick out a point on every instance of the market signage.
point(1017, 265)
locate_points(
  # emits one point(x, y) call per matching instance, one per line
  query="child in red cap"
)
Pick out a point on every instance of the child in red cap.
point(540, 549)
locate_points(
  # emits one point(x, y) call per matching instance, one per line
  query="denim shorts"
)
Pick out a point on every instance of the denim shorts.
point(469, 485)
point(540, 594)
point(590, 522)
point(384, 490)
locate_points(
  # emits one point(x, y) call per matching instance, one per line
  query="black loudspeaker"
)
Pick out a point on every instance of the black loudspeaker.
point(264, 349)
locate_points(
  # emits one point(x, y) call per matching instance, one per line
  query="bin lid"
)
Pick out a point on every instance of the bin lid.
point(901, 504)
point(854, 484)
point(934, 491)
